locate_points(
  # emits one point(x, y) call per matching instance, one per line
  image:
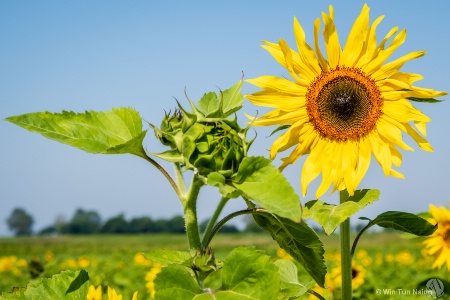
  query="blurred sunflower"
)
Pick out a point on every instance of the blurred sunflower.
point(343, 108)
point(438, 244)
point(96, 294)
point(358, 275)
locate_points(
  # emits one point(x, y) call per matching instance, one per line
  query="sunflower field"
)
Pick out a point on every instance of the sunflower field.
point(386, 265)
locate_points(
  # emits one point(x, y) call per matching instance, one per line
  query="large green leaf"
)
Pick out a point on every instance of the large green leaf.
point(113, 132)
point(263, 183)
point(167, 256)
point(297, 239)
point(249, 272)
point(290, 286)
point(218, 180)
point(175, 282)
point(402, 221)
point(329, 216)
point(224, 295)
point(67, 285)
point(228, 102)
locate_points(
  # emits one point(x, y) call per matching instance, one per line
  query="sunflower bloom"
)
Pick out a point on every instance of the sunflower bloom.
point(358, 275)
point(342, 108)
point(438, 244)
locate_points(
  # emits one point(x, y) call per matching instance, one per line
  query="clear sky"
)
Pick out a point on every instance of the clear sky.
point(95, 55)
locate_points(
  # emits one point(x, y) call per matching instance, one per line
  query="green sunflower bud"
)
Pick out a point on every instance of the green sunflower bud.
point(204, 142)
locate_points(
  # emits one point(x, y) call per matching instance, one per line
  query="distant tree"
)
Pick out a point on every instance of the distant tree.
point(83, 222)
point(20, 222)
point(142, 225)
point(49, 230)
point(116, 224)
point(176, 225)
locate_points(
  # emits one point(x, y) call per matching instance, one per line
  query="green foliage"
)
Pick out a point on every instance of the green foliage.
point(114, 132)
point(227, 103)
point(329, 216)
point(297, 239)
point(20, 222)
point(206, 140)
point(425, 100)
point(290, 286)
point(247, 273)
point(176, 282)
point(66, 285)
point(403, 221)
point(166, 256)
point(260, 181)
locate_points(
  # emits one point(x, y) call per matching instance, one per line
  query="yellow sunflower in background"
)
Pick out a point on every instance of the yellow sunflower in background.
point(438, 244)
point(344, 107)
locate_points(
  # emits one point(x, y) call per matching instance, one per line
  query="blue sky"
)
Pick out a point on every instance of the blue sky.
point(95, 55)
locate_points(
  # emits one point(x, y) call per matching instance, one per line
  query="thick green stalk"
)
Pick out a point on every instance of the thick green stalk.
point(346, 260)
point(213, 219)
point(190, 213)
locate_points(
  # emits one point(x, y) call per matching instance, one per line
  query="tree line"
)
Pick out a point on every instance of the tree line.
point(89, 222)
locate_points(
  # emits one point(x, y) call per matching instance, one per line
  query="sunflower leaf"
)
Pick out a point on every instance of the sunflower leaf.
point(250, 272)
point(65, 285)
point(290, 286)
point(401, 221)
point(218, 180)
point(113, 132)
point(175, 282)
point(329, 216)
point(229, 101)
point(425, 100)
point(406, 222)
point(297, 239)
point(262, 182)
point(232, 99)
point(167, 257)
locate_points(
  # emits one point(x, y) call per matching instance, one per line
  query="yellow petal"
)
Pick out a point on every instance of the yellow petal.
point(391, 68)
point(392, 134)
point(364, 157)
point(321, 59)
point(287, 52)
point(278, 84)
point(422, 127)
point(370, 47)
point(422, 142)
point(306, 53)
point(380, 150)
point(408, 78)
point(403, 111)
point(331, 38)
point(356, 39)
point(383, 55)
point(270, 98)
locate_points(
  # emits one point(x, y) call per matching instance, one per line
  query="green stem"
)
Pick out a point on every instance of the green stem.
point(214, 218)
point(179, 178)
point(190, 213)
point(346, 260)
point(318, 296)
point(228, 218)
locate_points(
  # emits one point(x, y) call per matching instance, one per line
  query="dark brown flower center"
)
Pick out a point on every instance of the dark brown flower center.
point(344, 104)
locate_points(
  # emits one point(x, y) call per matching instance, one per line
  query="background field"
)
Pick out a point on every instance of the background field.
point(385, 261)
